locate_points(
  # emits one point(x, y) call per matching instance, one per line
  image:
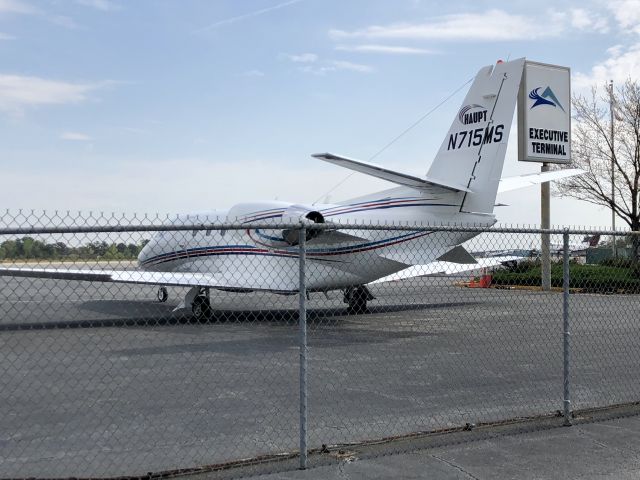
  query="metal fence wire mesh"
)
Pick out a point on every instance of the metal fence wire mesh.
point(116, 359)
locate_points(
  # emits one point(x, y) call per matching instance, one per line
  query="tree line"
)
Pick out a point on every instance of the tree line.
point(28, 248)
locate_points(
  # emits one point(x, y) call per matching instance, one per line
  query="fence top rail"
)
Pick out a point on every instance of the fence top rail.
point(69, 229)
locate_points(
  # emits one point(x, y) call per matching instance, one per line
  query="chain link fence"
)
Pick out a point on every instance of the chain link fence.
point(116, 359)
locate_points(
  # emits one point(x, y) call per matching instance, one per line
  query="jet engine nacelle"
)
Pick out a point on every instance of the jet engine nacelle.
point(297, 214)
point(277, 212)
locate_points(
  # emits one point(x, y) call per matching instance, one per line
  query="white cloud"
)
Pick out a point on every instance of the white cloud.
point(255, 13)
point(17, 7)
point(626, 13)
point(313, 64)
point(75, 136)
point(582, 19)
point(354, 67)
point(19, 92)
point(334, 66)
point(320, 70)
point(303, 58)
point(493, 25)
point(252, 73)
point(104, 5)
point(623, 62)
point(389, 49)
point(63, 21)
point(5, 36)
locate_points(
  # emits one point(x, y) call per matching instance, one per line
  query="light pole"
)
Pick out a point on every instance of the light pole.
point(613, 189)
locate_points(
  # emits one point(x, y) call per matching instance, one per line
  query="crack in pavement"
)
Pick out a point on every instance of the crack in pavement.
point(457, 467)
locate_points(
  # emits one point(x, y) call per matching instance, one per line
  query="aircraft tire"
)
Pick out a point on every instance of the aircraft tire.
point(201, 308)
point(357, 301)
point(162, 294)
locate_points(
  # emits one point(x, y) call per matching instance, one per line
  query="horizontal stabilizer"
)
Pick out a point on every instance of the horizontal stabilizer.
point(377, 171)
point(530, 179)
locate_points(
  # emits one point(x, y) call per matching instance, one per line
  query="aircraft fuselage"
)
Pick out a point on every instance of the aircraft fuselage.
point(355, 257)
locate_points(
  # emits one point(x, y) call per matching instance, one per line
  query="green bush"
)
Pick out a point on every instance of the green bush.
point(590, 278)
point(632, 265)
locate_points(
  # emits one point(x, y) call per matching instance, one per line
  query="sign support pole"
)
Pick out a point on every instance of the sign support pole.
point(545, 223)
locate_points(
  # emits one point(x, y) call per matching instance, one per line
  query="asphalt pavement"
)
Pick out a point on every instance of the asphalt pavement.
point(101, 380)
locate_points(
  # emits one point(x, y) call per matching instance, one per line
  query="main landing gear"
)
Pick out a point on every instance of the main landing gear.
point(201, 305)
point(197, 300)
point(356, 298)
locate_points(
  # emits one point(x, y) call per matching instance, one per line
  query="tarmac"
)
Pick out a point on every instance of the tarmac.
point(103, 381)
point(593, 448)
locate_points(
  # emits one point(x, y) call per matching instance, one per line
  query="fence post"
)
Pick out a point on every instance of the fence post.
point(302, 327)
point(566, 335)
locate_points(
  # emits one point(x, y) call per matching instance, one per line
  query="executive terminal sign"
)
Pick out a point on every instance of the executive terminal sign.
point(544, 114)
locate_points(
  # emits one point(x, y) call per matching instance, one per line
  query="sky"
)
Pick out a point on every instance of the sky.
point(185, 106)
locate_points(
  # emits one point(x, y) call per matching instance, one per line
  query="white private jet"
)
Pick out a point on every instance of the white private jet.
point(459, 189)
point(577, 248)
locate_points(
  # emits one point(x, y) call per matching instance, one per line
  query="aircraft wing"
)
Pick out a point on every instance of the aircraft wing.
point(445, 268)
point(222, 280)
point(513, 183)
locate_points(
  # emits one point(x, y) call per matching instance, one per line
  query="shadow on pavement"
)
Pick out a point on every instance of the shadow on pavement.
point(153, 314)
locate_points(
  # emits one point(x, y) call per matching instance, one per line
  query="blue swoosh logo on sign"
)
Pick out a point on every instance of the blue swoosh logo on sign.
point(547, 98)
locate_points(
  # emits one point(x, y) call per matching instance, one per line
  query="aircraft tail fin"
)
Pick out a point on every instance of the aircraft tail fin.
point(593, 240)
point(473, 151)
